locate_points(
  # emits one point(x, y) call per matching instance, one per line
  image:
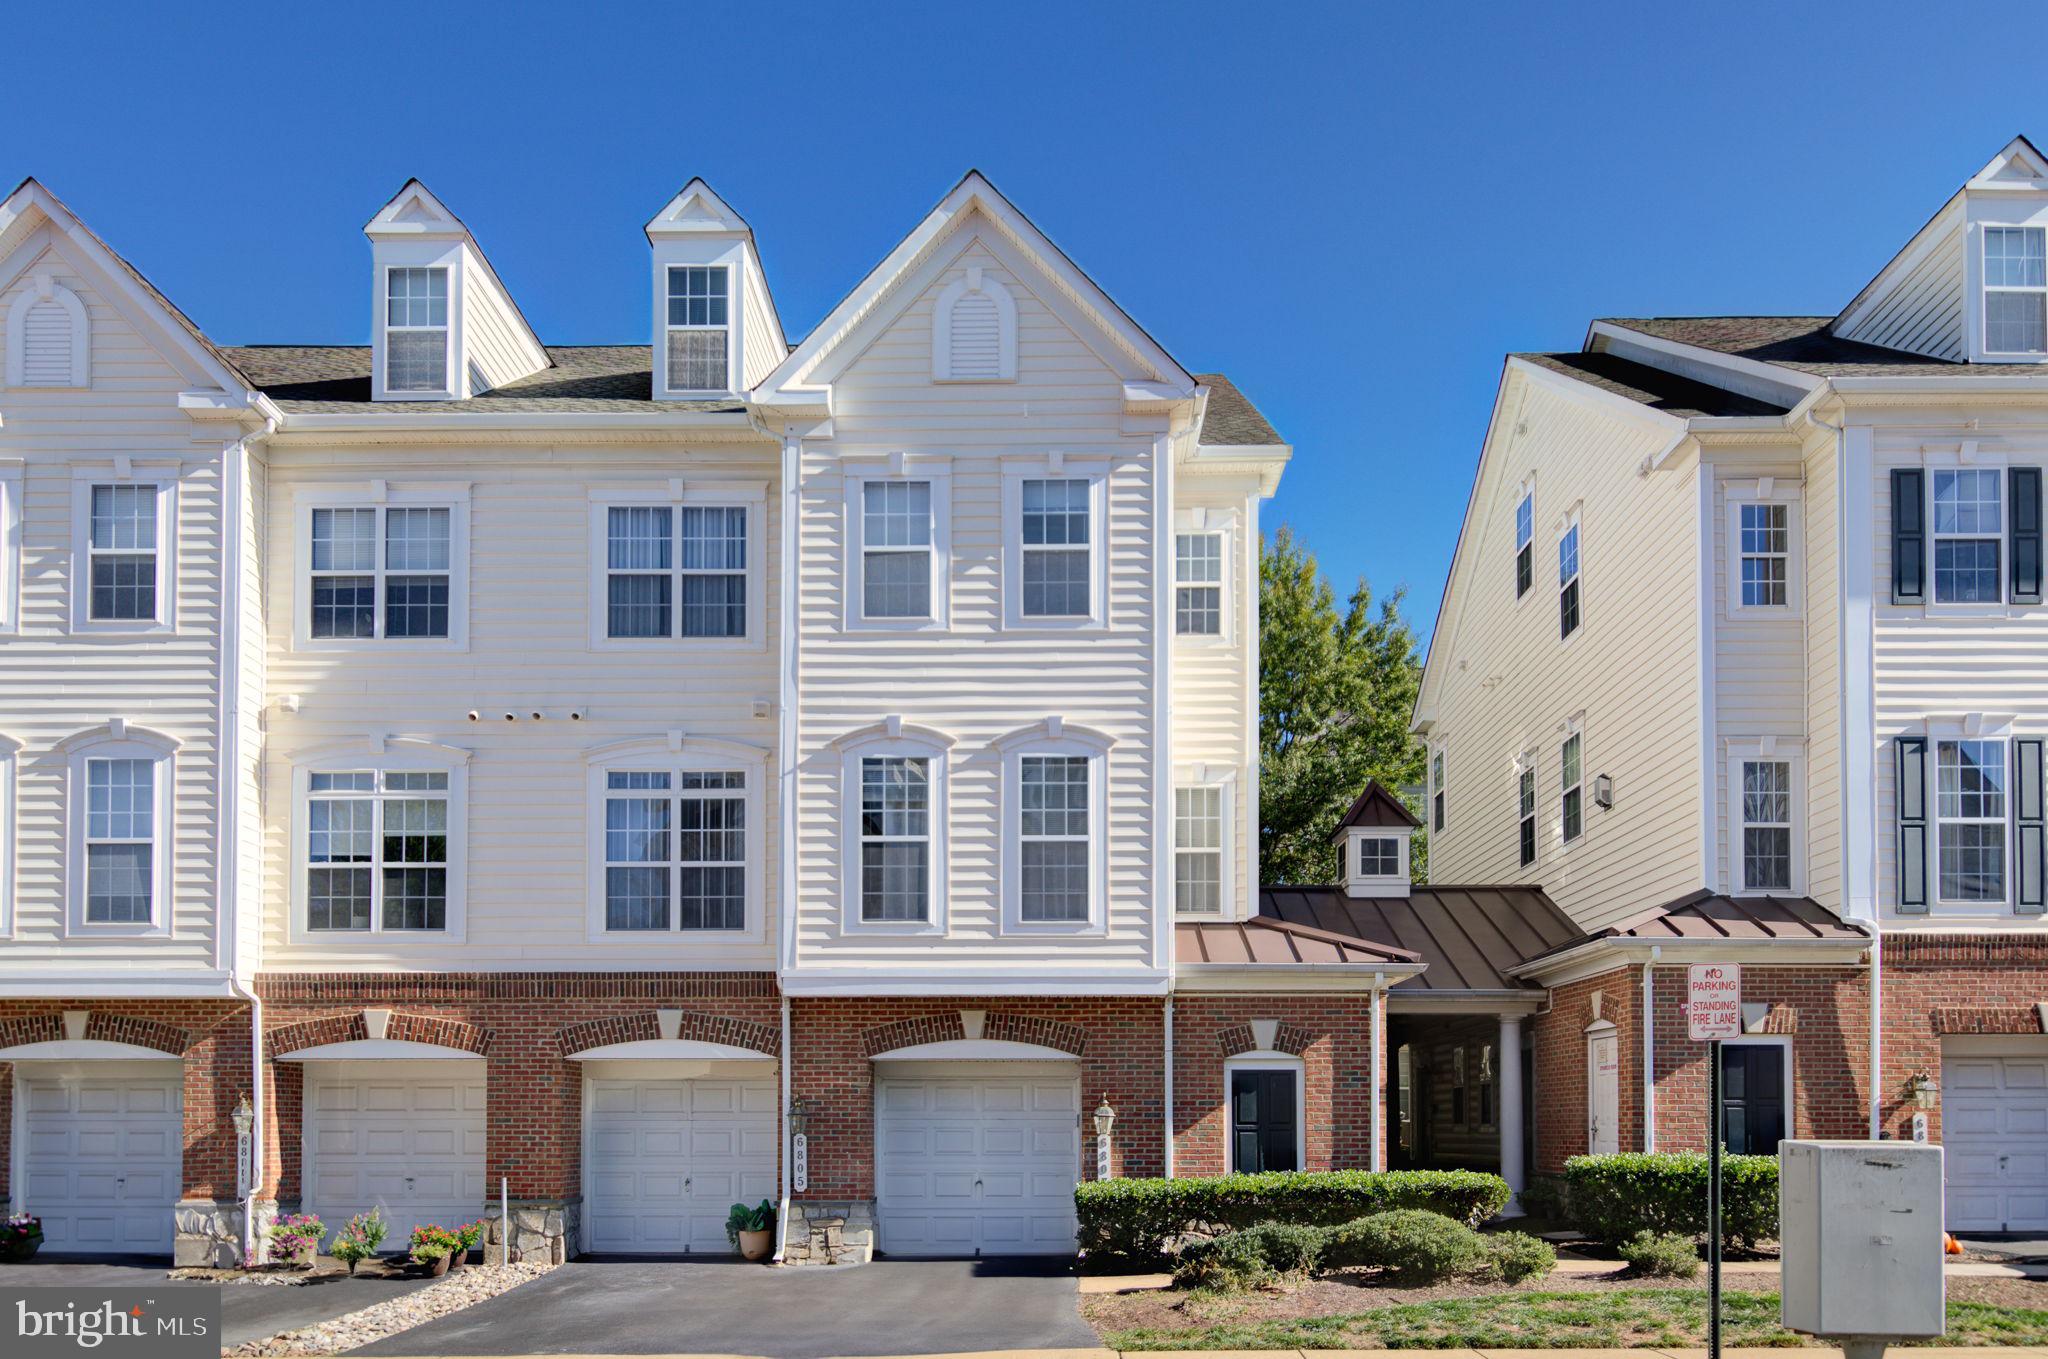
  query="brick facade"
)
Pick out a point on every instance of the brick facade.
point(1951, 984)
point(1558, 1041)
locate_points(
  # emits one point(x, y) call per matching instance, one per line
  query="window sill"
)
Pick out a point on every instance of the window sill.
point(907, 928)
point(898, 625)
point(78, 929)
point(373, 644)
point(1057, 929)
point(678, 643)
point(109, 628)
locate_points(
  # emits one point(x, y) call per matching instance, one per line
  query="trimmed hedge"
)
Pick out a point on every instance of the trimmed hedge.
point(1515, 1256)
point(1669, 1256)
point(1247, 1259)
point(1615, 1197)
point(1417, 1246)
point(1136, 1218)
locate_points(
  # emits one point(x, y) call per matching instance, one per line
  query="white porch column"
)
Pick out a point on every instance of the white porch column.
point(1509, 1078)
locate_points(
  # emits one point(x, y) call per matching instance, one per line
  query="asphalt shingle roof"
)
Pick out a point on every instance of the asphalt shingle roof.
point(335, 380)
point(1803, 344)
point(1652, 387)
point(1231, 418)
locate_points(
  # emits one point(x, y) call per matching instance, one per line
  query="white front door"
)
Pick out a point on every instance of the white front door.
point(404, 1136)
point(977, 1158)
point(104, 1162)
point(1603, 1094)
point(1994, 1122)
point(669, 1159)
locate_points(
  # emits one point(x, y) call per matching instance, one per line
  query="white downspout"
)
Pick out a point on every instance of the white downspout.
point(1650, 1049)
point(1168, 1094)
point(1379, 1103)
point(782, 1213)
point(1876, 1033)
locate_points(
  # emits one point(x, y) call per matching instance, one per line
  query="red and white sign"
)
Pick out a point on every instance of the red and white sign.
point(1713, 1001)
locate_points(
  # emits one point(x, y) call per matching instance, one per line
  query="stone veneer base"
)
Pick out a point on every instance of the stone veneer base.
point(209, 1232)
point(827, 1232)
point(542, 1229)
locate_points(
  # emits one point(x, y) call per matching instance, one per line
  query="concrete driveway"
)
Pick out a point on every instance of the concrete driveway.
point(722, 1307)
point(247, 1311)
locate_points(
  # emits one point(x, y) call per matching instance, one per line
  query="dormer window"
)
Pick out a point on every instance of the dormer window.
point(2015, 290)
point(1379, 856)
point(699, 325)
point(1374, 835)
point(416, 330)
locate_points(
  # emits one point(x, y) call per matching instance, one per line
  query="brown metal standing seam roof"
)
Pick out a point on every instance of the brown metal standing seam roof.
point(1263, 940)
point(1467, 936)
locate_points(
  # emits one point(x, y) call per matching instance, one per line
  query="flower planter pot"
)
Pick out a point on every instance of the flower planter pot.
point(458, 1258)
point(19, 1249)
point(435, 1267)
point(756, 1245)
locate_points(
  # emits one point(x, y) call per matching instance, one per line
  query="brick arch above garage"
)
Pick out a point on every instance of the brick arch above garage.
point(692, 1027)
point(432, 1030)
point(996, 1025)
point(101, 1027)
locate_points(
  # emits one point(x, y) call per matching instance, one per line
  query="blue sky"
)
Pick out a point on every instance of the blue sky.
point(1353, 209)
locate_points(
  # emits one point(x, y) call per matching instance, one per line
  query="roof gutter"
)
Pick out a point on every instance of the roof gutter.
point(1595, 955)
point(1198, 977)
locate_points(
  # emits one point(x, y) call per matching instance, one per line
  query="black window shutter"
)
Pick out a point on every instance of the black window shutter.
point(2027, 869)
point(2025, 533)
point(1909, 536)
point(1912, 797)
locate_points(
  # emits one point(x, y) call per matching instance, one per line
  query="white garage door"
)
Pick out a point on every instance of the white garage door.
point(404, 1136)
point(669, 1159)
point(1994, 1122)
point(105, 1160)
point(977, 1158)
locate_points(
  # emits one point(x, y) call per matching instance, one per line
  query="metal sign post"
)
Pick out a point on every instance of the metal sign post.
point(1713, 1012)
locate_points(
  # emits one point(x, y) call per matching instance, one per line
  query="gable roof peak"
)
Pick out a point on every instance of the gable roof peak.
point(697, 209)
point(414, 211)
point(1376, 807)
point(2018, 164)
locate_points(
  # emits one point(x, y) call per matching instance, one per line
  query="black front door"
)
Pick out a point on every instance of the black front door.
point(1752, 1098)
point(1263, 1121)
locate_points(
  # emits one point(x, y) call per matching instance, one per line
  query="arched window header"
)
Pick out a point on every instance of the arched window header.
point(974, 331)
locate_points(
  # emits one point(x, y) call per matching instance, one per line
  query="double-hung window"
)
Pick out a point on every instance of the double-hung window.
point(1058, 544)
point(1198, 584)
point(1969, 527)
point(416, 330)
point(1568, 580)
point(381, 571)
point(1053, 839)
point(1765, 540)
point(1525, 810)
point(896, 549)
point(2015, 290)
point(1198, 850)
point(675, 849)
point(699, 327)
point(896, 839)
point(1970, 812)
point(1525, 543)
point(675, 570)
point(124, 539)
point(1436, 790)
point(120, 841)
point(1572, 800)
point(1766, 825)
point(378, 851)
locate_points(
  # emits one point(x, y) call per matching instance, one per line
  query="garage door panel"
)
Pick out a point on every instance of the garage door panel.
point(1995, 1127)
point(103, 1159)
point(669, 1158)
point(408, 1141)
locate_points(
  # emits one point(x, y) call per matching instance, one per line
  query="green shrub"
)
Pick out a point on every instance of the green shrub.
point(1137, 1218)
point(1661, 1256)
point(1614, 1197)
point(1544, 1198)
point(1514, 1256)
point(1288, 1247)
point(1247, 1259)
point(1418, 1246)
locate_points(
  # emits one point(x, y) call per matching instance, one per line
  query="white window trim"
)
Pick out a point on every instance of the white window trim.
point(1566, 527)
point(1983, 291)
point(1268, 1061)
point(1017, 471)
point(1437, 777)
point(43, 287)
point(1775, 1040)
point(11, 475)
point(751, 496)
point(733, 281)
point(1379, 884)
point(1565, 845)
point(1782, 751)
point(396, 753)
point(938, 470)
point(1763, 491)
point(119, 740)
point(1982, 727)
point(10, 751)
point(1528, 764)
point(1223, 524)
point(450, 496)
point(1202, 776)
point(674, 755)
point(1968, 459)
point(1056, 738)
point(892, 737)
point(163, 476)
point(451, 263)
point(976, 279)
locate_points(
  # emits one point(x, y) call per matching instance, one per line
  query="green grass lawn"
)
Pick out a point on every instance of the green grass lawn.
point(1643, 1316)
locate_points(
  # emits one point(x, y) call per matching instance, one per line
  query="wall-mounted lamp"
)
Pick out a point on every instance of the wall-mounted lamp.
point(799, 1116)
point(245, 1117)
point(1603, 792)
point(1923, 1088)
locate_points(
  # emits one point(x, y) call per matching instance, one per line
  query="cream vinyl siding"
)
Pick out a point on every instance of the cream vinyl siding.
point(1506, 683)
point(1945, 662)
point(1759, 655)
point(979, 681)
point(1920, 309)
point(529, 649)
point(1214, 690)
point(1823, 561)
point(497, 347)
point(759, 353)
point(55, 684)
point(252, 659)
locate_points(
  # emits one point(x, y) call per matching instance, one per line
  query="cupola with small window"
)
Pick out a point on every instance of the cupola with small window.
point(1375, 835)
point(444, 327)
point(715, 332)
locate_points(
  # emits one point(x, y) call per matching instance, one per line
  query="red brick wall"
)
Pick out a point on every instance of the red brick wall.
point(1120, 1042)
point(1558, 1042)
point(1332, 1035)
point(1954, 983)
point(534, 1093)
point(213, 1036)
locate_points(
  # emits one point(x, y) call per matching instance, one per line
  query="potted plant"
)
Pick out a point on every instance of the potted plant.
point(20, 1238)
point(297, 1236)
point(360, 1238)
point(469, 1237)
point(431, 1248)
point(751, 1230)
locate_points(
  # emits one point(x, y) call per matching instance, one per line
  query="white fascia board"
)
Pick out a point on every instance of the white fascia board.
point(669, 1050)
point(1605, 955)
point(975, 1050)
point(812, 981)
point(1976, 383)
point(404, 419)
point(85, 1050)
point(116, 986)
point(1746, 377)
point(1598, 398)
point(1517, 1002)
point(1238, 978)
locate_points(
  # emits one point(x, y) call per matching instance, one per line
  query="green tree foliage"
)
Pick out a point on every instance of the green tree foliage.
point(1335, 693)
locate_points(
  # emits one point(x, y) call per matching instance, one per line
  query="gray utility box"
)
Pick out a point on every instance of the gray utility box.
point(1859, 1233)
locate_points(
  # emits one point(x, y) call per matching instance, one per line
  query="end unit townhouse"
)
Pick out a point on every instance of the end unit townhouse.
point(1741, 661)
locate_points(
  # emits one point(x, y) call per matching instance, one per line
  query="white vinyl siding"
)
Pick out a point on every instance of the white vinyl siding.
point(1920, 308)
point(1215, 729)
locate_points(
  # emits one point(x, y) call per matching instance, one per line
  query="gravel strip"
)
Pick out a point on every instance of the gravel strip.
point(466, 1288)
